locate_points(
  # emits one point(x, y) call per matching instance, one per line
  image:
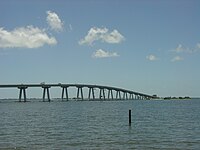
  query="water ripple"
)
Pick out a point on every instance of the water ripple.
point(100, 125)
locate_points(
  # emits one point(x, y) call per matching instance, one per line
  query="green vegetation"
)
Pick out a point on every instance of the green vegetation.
point(174, 98)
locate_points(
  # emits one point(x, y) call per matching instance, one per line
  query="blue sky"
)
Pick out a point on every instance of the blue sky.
point(148, 46)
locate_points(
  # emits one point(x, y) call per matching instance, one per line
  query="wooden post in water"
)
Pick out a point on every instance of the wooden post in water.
point(129, 117)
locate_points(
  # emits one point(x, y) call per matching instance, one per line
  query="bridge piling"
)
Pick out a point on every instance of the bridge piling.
point(89, 93)
point(44, 92)
point(118, 94)
point(125, 96)
point(130, 96)
point(91, 89)
point(62, 94)
point(78, 91)
point(112, 95)
point(110, 92)
point(46, 88)
point(20, 95)
point(64, 90)
point(22, 90)
point(100, 93)
point(104, 97)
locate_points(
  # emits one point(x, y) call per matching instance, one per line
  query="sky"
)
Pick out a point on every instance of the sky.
point(148, 46)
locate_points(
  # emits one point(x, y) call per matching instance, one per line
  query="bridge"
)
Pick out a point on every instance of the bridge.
point(104, 92)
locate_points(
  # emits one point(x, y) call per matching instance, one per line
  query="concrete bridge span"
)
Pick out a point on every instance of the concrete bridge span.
point(104, 92)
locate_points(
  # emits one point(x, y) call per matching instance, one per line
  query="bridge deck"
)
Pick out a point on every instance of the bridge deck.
point(46, 87)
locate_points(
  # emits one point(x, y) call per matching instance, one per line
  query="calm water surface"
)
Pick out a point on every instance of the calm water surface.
point(156, 124)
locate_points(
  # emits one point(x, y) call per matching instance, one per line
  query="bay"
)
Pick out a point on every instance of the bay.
point(156, 124)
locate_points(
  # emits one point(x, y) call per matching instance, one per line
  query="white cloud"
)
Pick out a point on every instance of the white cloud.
point(54, 21)
point(103, 54)
point(198, 45)
point(113, 37)
point(25, 37)
point(94, 34)
point(102, 34)
point(151, 57)
point(70, 27)
point(179, 48)
point(177, 58)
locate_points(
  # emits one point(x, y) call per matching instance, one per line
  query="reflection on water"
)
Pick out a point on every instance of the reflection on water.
point(100, 125)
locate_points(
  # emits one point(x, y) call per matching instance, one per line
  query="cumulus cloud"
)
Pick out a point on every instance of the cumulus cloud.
point(25, 37)
point(94, 34)
point(151, 57)
point(54, 21)
point(113, 37)
point(179, 48)
point(177, 58)
point(102, 34)
point(103, 54)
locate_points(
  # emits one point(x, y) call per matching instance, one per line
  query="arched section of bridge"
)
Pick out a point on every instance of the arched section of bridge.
point(95, 92)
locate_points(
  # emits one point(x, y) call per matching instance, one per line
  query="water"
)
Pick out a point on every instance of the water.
point(155, 124)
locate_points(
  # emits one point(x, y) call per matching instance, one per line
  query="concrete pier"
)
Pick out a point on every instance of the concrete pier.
point(22, 89)
point(46, 88)
point(80, 90)
point(64, 90)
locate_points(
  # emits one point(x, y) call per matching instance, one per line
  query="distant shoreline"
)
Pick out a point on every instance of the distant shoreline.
point(177, 98)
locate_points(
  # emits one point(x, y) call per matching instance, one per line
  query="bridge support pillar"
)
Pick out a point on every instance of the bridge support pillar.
point(80, 89)
point(125, 96)
point(64, 91)
point(118, 94)
point(100, 94)
point(131, 96)
point(22, 90)
point(110, 92)
point(91, 89)
point(46, 88)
